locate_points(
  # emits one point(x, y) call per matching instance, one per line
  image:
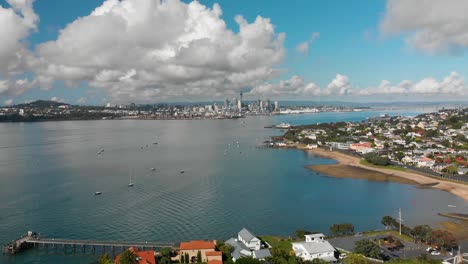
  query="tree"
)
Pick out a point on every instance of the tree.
point(451, 169)
point(165, 252)
point(367, 248)
point(199, 259)
point(342, 229)
point(128, 257)
point(375, 159)
point(422, 232)
point(105, 259)
point(399, 155)
point(300, 233)
point(355, 259)
point(248, 260)
point(318, 261)
point(187, 258)
point(443, 239)
point(165, 260)
point(388, 221)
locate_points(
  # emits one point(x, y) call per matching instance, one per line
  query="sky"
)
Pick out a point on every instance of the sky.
point(150, 51)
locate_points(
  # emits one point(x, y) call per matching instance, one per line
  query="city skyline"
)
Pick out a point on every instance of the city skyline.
point(150, 51)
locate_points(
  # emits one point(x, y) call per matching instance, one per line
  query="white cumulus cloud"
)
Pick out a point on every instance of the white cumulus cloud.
point(297, 87)
point(452, 85)
point(16, 23)
point(433, 26)
point(303, 47)
point(150, 50)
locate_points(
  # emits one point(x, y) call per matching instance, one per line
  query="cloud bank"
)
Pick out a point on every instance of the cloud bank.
point(148, 50)
point(432, 26)
point(452, 86)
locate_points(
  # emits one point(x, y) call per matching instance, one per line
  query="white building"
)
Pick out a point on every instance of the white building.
point(425, 162)
point(247, 245)
point(315, 246)
point(340, 145)
point(249, 240)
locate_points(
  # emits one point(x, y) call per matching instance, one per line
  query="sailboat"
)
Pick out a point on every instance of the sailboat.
point(130, 184)
point(97, 193)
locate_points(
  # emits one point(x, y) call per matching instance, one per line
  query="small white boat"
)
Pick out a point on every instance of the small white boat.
point(97, 193)
point(130, 184)
point(451, 205)
point(153, 169)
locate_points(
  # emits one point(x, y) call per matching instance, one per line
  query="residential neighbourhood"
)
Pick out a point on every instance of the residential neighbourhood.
point(435, 142)
point(420, 242)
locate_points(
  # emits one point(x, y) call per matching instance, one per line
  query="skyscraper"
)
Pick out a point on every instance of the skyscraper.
point(239, 103)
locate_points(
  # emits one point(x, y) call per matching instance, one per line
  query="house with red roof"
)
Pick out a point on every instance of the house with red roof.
point(143, 257)
point(207, 250)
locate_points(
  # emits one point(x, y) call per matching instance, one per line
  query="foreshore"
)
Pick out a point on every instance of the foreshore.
point(350, 167)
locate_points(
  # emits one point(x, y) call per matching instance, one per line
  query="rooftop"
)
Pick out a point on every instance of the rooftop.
point(317, 248)
point(197, 244)
point(143, 257)
point(246, 234)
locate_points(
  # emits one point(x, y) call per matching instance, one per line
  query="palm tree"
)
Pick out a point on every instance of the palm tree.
point(128, 257)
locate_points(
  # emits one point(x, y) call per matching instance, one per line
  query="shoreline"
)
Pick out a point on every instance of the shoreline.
point(352, 164)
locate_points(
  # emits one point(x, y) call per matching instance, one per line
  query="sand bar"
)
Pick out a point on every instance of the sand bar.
point(351, 167)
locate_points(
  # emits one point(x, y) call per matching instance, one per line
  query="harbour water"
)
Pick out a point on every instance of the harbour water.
point(51, 170)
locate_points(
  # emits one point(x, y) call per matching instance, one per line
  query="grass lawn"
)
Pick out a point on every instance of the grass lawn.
point(279, 242)
point(390, 167)
point(394, 233)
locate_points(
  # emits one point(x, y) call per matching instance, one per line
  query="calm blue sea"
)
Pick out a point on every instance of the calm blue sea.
point(49, 172)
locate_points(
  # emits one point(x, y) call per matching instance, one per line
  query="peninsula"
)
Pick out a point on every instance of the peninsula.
point(430, 150)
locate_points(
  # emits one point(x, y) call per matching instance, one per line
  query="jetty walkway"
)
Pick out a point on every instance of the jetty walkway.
point(32, 240)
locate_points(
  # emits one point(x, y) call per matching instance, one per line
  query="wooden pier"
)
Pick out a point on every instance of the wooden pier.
point(31, 240)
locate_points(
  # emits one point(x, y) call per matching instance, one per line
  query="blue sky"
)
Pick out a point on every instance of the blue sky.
point(351, 43)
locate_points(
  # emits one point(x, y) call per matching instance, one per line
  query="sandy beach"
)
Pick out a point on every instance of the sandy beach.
point(350, 167)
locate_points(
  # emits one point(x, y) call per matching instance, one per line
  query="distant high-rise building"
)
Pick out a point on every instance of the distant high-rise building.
point(268, 105)
point(226, 104)
point(276, 106)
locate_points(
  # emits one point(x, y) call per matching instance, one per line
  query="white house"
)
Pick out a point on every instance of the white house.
point(315, 246)
point(425, 162)
point(312, 146)
point(249, 240)
point(247, 245)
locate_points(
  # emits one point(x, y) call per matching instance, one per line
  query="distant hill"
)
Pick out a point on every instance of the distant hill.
point(41, 104)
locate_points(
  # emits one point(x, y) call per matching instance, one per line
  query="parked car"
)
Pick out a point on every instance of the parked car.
point(343, 255)
point(429, 249)
point(435, 253)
